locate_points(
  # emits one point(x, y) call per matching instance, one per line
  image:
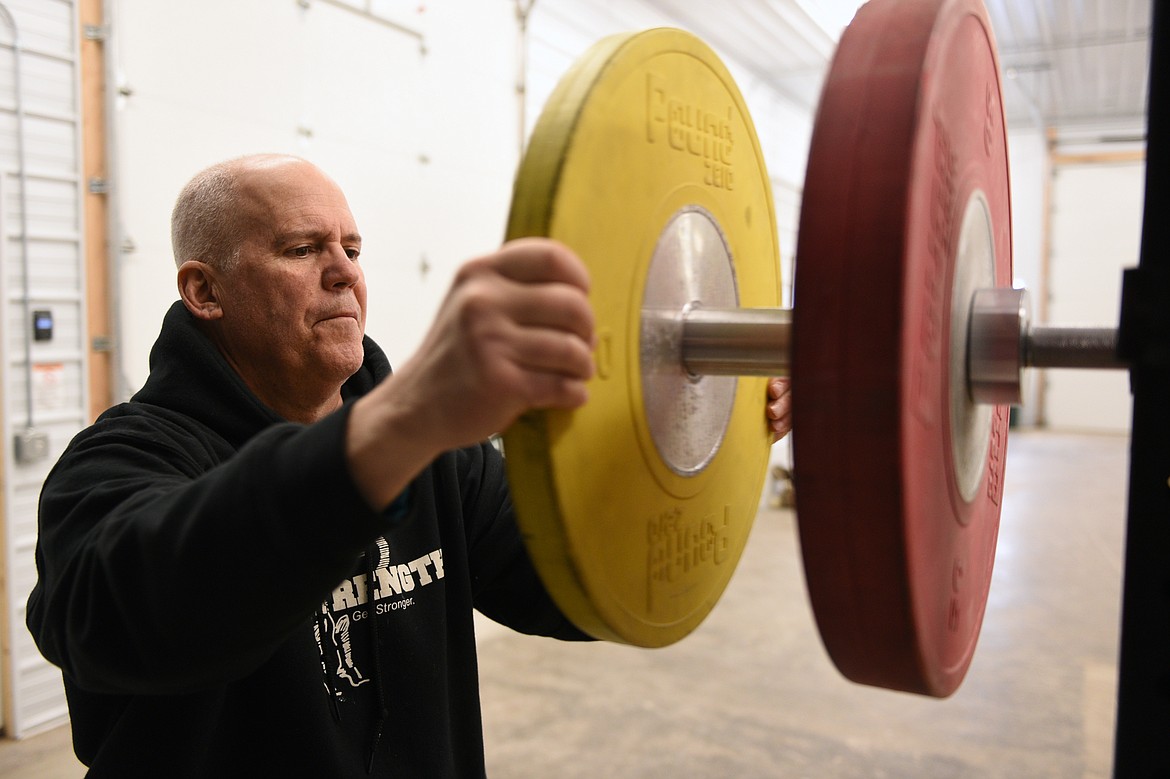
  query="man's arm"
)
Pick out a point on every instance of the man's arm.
point(160, 571)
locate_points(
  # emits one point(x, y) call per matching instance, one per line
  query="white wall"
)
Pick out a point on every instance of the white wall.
point(415, 128)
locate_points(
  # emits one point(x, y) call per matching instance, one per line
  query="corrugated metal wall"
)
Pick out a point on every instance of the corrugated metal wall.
point(43, 380)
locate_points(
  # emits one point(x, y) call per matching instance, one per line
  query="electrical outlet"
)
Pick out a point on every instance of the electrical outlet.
point(31, 445)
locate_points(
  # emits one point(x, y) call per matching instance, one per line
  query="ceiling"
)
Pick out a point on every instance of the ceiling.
point(1067, 64)
point(1073, 62)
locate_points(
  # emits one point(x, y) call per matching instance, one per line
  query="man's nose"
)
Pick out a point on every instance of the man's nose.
point(341, 270)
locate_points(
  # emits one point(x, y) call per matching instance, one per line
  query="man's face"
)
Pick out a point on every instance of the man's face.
point(294, 306)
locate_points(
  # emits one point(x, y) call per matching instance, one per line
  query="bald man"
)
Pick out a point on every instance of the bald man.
point(266, 562)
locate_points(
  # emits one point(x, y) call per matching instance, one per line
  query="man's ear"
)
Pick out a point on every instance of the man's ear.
point(199, 290)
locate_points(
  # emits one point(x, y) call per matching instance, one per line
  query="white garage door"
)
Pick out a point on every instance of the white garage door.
point(1095, 233)
point(43, 367)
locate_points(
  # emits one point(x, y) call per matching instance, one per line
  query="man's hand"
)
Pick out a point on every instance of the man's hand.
point(514, 333)
point(779, 408)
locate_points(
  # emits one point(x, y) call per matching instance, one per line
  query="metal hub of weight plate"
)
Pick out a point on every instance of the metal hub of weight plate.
point(905, 213)
point(635, 508)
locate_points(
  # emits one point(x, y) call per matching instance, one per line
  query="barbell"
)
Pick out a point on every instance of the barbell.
point(905, 340)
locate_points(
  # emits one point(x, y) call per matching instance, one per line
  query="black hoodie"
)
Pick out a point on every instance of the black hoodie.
point(205, 573)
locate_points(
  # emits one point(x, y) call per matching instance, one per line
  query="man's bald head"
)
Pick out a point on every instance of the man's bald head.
point(208, 219)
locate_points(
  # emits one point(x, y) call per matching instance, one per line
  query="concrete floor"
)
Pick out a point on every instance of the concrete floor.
point(752, 694)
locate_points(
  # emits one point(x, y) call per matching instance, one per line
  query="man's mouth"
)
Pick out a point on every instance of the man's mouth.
point(340, 315)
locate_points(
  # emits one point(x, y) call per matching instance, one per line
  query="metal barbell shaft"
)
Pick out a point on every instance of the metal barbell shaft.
point(737, 341)
point(1072, 347)
point(758, 342)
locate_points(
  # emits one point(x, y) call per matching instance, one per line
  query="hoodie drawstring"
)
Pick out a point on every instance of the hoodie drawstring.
point(327, 678)
point(373, 555)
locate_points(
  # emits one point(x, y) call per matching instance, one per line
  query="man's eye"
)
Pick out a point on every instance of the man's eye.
point(302, 251)
point(352, 253)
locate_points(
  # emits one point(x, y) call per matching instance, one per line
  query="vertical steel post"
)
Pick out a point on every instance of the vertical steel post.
point(1141, 746)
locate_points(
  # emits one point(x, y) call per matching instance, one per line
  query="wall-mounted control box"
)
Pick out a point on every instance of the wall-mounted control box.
point(42, 325)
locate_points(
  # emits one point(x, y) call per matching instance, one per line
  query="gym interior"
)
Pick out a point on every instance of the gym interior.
point(423, 112)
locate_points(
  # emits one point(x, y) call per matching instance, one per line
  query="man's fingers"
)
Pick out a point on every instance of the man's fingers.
point(556, 391)
point(779, 407)
point(552, 351)
point(540, 260)
point(535, 282)
point(552, 306)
